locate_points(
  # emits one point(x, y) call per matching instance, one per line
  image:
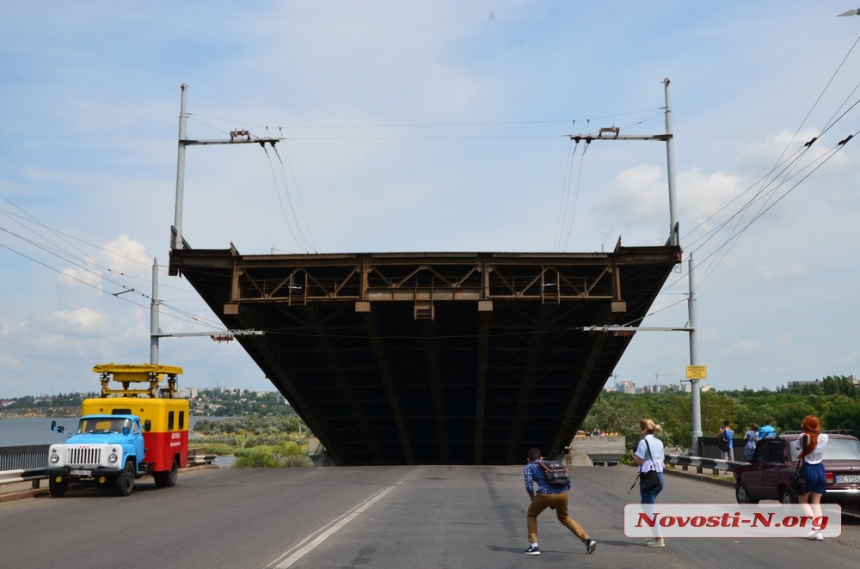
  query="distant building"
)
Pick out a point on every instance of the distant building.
point(625, 387)
point(189, 393)
point(662, 388)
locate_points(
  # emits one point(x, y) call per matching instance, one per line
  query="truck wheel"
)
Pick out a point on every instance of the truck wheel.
point(168, 478)
point(125, 481)
point(58, 485)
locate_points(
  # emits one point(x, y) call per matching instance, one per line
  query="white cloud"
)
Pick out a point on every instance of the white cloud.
point(81, 321)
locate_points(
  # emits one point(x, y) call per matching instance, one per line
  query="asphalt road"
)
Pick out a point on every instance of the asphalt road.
point(387, 517)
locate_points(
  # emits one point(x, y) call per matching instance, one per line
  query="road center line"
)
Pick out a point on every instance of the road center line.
point(325, 535)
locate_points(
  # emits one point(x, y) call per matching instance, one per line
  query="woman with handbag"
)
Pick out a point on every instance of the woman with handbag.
point(811, 445)
point(649, 457)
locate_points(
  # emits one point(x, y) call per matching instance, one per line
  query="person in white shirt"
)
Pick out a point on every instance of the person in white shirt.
point(811, 446)
point(649, 455)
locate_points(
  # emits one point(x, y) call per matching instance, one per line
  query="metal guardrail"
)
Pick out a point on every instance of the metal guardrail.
point(715, 465)
point(27, 463)
point(201, 459)
point(23, 457)
point(23, 464)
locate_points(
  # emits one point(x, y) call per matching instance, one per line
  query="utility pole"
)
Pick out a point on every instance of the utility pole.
point(155, 331)
point(614, 133)
point(236, 137)
point(694, 357)
point(176, 241)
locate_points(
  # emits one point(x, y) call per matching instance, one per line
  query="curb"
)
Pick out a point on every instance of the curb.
point(38, 492)
point(703, 477)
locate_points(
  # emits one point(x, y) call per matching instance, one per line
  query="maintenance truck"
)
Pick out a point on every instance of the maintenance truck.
point(125, 434)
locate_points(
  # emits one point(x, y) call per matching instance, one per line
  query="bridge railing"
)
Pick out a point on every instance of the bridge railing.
point(27, 463)
point(23, 464)
point(700, 463)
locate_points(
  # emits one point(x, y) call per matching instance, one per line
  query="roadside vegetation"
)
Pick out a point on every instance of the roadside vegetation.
point(255, 441)
point(262, 430)
point(834, 399)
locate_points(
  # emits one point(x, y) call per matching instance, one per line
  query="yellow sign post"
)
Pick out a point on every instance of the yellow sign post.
point(697, 372)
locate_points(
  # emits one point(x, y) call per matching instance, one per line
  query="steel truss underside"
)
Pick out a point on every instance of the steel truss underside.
point(433, 358)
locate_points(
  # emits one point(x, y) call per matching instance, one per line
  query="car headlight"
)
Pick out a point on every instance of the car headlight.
point(55, 458)
point(112, 458)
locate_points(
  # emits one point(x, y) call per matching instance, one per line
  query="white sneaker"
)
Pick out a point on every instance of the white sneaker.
point(815, 536)
point(656, 543)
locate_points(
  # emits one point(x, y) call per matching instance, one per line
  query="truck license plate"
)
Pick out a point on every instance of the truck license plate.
point(81, 472)
point(848, 479)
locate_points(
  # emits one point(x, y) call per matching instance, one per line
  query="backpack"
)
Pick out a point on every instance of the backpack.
point(723, 441)
point(555, 473)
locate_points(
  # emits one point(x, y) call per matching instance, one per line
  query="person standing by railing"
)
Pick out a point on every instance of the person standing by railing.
point(726, 442)
point(766, 431)
point(750, 442)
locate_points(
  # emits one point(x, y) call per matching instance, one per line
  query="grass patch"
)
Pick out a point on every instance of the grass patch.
point(284, 455)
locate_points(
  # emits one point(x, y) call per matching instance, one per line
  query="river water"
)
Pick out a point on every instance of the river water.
point(21, 432)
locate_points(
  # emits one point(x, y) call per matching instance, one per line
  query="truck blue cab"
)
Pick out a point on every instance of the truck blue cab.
point(106, 448)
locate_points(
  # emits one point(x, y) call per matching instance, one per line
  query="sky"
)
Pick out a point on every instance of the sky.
point(428, 126)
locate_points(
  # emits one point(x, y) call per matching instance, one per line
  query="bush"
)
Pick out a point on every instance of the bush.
point(284, 455)
point(264, 440)
point(227, 440)
point(216, 448)
point(259, 457)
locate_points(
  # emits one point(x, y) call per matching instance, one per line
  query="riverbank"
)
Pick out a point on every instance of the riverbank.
point(41, 413)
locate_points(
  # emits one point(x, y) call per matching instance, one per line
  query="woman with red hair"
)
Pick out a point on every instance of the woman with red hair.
point(811, 446)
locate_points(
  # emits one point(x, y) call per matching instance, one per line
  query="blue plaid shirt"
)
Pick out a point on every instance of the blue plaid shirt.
point(533, 472)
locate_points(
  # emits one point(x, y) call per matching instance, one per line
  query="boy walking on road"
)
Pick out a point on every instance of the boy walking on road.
point(548, 497)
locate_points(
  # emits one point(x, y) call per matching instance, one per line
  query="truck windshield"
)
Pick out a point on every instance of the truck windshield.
point(103, 425)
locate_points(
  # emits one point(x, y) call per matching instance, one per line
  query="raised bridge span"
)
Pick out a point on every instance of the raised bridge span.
point(433, 358)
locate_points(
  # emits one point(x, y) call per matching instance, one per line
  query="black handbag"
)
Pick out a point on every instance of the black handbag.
point(650, 480)
point(798, 480)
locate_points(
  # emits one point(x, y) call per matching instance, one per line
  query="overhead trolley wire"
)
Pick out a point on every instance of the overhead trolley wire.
point(426, 125)
point(88, 265)
point(780, 173)
point(303, 243)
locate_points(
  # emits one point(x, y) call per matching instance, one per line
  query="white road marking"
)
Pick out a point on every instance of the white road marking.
point(348, 517)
